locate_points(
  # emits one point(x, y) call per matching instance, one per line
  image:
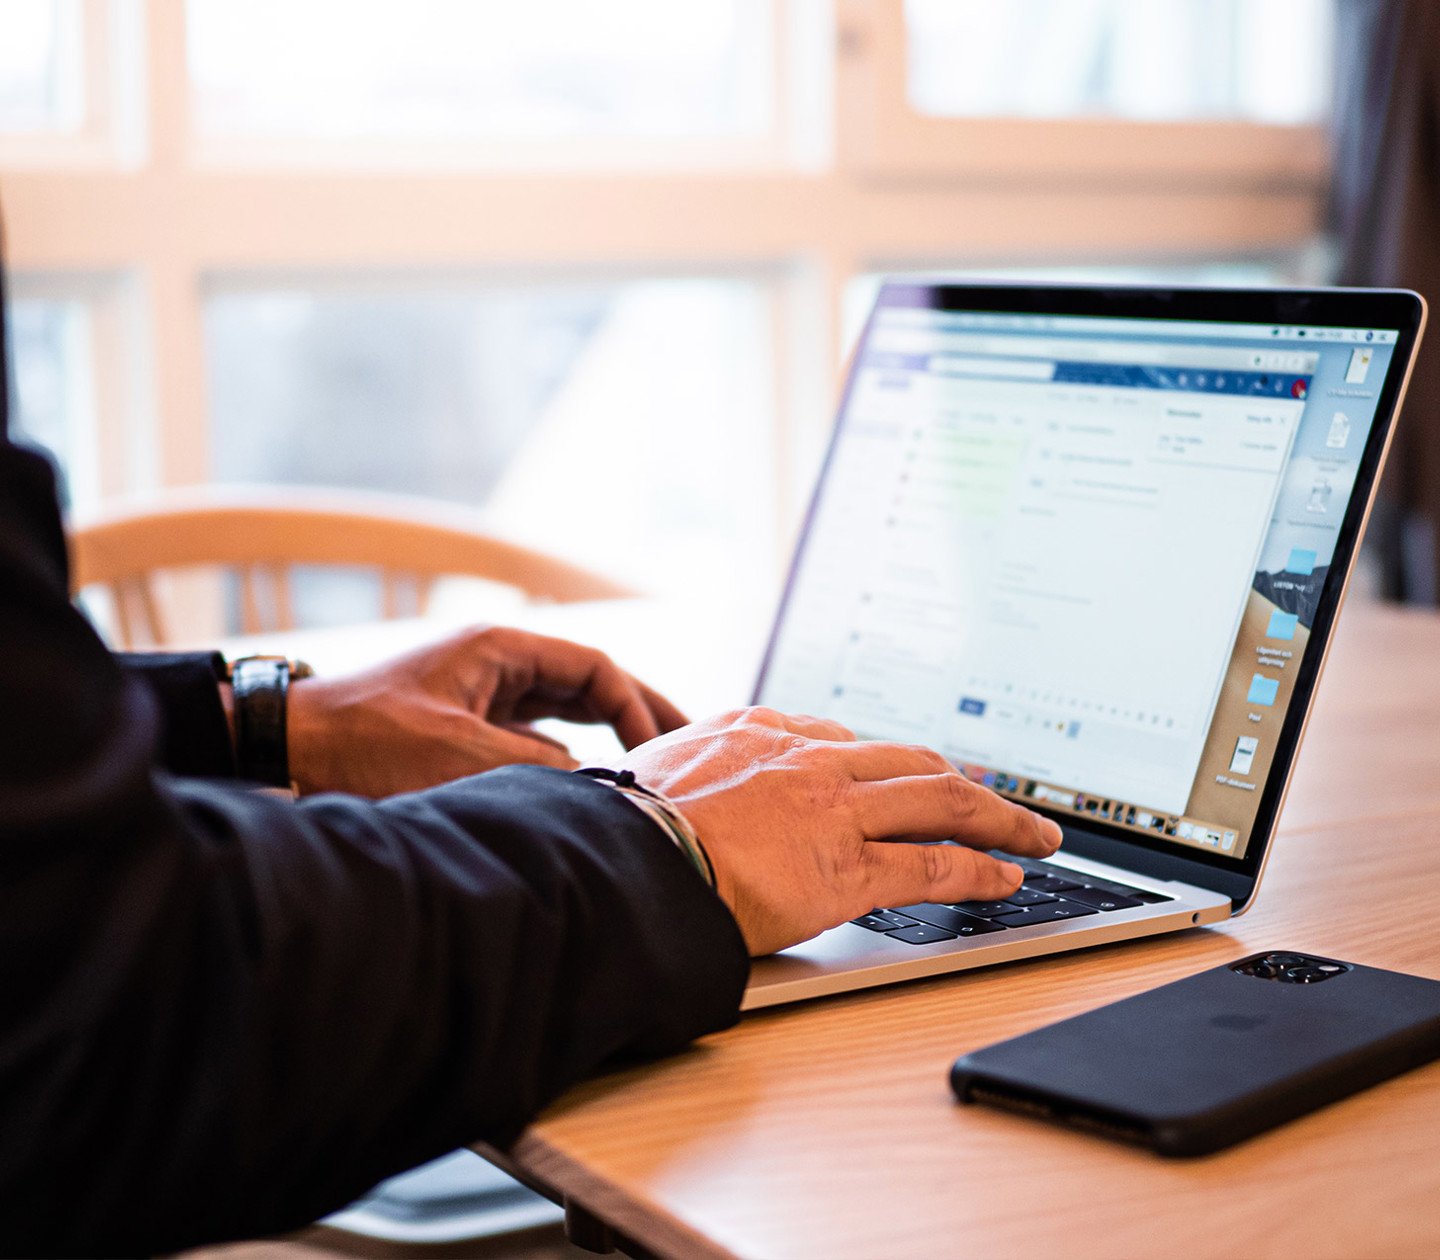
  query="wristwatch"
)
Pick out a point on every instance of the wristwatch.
point(259, 685)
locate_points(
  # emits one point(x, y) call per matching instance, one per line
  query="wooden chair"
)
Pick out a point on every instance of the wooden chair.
point(261, 534)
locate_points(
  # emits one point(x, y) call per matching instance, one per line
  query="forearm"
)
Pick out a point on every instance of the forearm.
point(281, 1005)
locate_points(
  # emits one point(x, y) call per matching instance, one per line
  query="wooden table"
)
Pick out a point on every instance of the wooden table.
point(828, 1129)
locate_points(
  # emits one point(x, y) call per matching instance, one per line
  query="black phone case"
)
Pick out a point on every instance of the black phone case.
point(1194, 1066)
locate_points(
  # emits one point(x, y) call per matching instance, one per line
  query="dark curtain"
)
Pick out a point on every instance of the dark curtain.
point(1385, 212)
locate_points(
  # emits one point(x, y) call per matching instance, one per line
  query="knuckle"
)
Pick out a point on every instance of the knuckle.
point(960, 794)
point(832, 792)
point(936, 863)
point(736, 723)
point(940, 762)
point(929, 758)
point(487, 637)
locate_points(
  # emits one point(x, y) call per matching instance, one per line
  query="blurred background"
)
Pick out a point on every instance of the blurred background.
point(593, 268)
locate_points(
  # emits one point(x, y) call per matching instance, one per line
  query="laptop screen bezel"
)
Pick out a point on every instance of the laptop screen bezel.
point(1400, 310)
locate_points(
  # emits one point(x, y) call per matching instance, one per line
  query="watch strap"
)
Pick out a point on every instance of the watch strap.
point(260, 685)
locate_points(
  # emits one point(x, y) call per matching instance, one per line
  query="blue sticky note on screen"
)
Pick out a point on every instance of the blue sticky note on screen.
point(1263, 690)
point(1302, 561)
point(1282, 625)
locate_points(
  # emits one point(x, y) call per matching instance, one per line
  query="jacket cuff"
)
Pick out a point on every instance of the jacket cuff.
point(707, 958)
point(194, 735)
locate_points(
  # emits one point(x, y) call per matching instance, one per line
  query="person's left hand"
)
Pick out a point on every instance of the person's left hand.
point(459, 707)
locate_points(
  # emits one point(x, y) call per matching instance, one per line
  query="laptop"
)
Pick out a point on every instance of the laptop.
point(1090, 544)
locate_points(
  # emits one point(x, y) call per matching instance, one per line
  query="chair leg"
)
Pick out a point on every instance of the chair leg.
point(124, 628)
point(135, 603)
point(389, 594)
point(150, 609)
point(283, 593)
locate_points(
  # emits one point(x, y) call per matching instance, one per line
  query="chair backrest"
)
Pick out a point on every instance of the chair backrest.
point(261, 534)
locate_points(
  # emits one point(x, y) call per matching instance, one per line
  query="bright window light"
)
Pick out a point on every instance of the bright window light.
point(53, 400)
point(1154, 60)
point(480, 69)
point(626, 425)
point(40, 70)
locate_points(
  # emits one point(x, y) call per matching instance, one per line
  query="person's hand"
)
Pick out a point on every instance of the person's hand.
point(806, 827)
point(460, 707)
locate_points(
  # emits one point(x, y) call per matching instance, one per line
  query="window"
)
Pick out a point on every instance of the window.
point(507, 82)
point(40, 70)
point(626, 424)
point(599, 253)
point(77, 389)
point(1183, 59)
point(1199, 91)
point(53, 405)
point(70, 91)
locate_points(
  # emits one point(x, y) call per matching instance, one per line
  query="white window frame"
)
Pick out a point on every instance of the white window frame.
point(112, 60)
point(112, 449)
point(887, 136)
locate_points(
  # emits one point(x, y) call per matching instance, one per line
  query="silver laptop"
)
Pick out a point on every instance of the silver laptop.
point(1090, 544)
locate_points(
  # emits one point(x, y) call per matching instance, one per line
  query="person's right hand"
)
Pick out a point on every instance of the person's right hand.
point(806, 826)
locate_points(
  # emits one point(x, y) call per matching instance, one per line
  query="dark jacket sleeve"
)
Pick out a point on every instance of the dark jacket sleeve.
point(194, 735)
point(225, 1014)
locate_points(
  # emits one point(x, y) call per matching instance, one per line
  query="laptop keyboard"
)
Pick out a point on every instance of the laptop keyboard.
point(1048, 895)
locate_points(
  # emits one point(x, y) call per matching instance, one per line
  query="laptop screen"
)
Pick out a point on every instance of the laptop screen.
point(1080, 556)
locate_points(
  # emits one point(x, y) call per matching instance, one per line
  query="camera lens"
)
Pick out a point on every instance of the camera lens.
point(1265, 970)
point(1287, 960)
point(1304, 975)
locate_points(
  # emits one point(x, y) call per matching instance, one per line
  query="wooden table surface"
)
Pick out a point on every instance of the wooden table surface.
point(828, 1129)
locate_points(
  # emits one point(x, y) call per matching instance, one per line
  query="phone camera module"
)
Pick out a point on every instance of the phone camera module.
point(1290, 968)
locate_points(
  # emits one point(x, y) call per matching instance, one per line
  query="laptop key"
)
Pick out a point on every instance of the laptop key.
point(954, 921)
point(1050, 883)
point(1044, 914)
point(876, 924)
point(894, 919)
point(920, 934)
point(1102, 900)
point(1029, 897)
point(1104, 885)
point(984, 909)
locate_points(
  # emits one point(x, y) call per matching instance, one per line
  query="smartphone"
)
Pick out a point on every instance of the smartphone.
point(1200, 1064)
